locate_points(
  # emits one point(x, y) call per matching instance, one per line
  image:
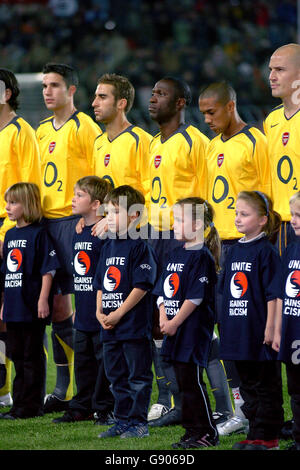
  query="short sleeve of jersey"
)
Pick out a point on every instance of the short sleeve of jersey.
point(47, 255)
point(201, 273)
point(271, 268)
point(144, 267)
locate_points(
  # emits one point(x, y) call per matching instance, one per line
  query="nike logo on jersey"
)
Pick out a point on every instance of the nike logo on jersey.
point(273, 125)
point(42, 137)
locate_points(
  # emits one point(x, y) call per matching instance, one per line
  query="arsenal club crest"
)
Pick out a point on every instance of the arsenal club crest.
point(157, 161)
point(106, 159)
point(52, 146)
point(220, 159)
point(285, 137)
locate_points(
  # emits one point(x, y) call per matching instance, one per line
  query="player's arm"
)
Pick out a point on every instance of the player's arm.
point(262, 164)
point(87, 134)
point(198, 154)
point(278, 326)
point(28, 156)
point(131, 301)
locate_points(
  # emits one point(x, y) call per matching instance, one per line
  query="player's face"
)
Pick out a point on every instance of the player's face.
point(55, 92)
point(216, 115)
point(14, 211)
point(104, 104)
point(117, 219)
point(184, 226)
point(284, 74)
point(248, 220)
point(162, 104)
point(81, 202)
point(295, 219)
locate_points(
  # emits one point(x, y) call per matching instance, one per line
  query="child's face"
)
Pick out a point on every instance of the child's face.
point(184, 226)
point(14, 210)
point(295, 220)
point(247, 219)
point(81, 202)
point(117, 219)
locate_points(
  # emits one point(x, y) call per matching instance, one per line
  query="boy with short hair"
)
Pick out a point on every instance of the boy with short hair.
point(93, 394)
point(126, 274)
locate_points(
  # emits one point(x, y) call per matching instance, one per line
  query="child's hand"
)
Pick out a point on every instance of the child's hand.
point(43, 308)
point(169, 328)
point(103, 321)
point(113, 318)
point(100, 228)
point(269, 336)
point(1, 313)
point(276, 342)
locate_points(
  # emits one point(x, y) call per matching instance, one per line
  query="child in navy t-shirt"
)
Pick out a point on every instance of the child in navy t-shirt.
point(29, 264)
point(250, 286)
point(287, 330)
point(125, 276)
point(186, 291)
point(93, 394)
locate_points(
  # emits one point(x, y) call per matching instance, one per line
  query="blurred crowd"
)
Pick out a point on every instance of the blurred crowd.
point(200, 40)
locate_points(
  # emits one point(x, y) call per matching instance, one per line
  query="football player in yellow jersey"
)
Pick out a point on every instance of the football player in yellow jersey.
point(236, 160)
point(19, 162)
point(121, 153)
point(177, 170)
point(282, 131)
point(66, 142)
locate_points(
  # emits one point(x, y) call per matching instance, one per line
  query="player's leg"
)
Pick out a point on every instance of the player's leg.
point(5, 369)
point(219, 386)
point(63, 354)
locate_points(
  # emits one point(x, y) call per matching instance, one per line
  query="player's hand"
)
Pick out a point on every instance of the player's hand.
point(100, 228)
point(80, 225)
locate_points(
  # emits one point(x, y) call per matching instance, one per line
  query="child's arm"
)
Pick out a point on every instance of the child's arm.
point(278, 325)
point(170, 327)
point(270, 324)
point(131, 301)
point(43, 305)
point(163, 319)
point(99, 313)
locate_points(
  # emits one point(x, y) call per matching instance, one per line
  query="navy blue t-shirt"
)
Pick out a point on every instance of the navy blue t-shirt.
point(125, 264)
point(290, 295)
point(28, 254)
point(189, 274)
point(250, 279)
point(86, 252)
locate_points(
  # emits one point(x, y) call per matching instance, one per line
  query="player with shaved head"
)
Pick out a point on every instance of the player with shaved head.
point(282, 131)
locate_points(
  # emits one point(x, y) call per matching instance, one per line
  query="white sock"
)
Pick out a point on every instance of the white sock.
point(238, 402)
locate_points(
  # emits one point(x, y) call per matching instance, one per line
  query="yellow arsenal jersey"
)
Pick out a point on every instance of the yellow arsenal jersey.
point(125, 159)
point(283, 138)
point(177, 170)
point(66, 156)
point(19, 161)
point(237, 164)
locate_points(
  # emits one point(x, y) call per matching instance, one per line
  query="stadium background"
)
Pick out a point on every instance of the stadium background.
point(199, 40)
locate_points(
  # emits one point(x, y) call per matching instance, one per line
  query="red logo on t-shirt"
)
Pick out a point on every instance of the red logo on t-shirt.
point(171, 285)
point(82, 263)
point(52, 146)
point(292, 286)
point(220, 159)
point(106, 159)
point(238, 285)
point(157, 161)
point(112, 278)
point(285, 137)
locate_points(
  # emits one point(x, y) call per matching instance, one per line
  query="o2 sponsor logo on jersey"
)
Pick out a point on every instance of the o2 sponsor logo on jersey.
point(171, 285)
point(112, 279)
point(220, 159)
point(52, 146)
point(106, 159)
point(14, 260)
point(285, 137)
point(292, 285)
point(238, 285)
point(157, 161)
point(82, 263)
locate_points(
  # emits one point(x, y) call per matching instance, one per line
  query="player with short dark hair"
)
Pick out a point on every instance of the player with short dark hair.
point(236, 160)
point(66, 142)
